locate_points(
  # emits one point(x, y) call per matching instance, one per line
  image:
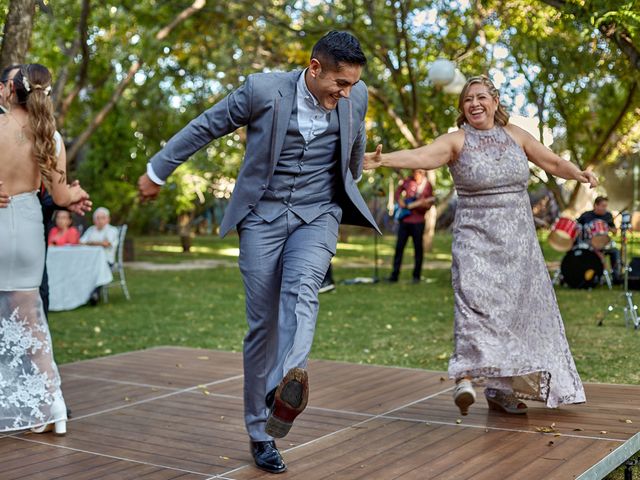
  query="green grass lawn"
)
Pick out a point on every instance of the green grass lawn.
point(389, 324)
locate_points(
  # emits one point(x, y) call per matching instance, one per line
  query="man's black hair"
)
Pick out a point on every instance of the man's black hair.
point(599, 200)
point(338, 47)
point(4, 76)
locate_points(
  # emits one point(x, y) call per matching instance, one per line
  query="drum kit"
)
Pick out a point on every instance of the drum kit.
point(583, 264)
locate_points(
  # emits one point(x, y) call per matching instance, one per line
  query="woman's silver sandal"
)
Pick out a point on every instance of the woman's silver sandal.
point(505, 402)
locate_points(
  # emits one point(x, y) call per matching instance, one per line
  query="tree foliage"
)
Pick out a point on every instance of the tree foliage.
point(131, 73)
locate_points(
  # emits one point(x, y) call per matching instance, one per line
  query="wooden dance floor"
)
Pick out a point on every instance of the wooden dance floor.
point(170, 412)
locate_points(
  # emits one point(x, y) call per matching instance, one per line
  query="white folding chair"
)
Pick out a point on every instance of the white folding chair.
point(118, 268)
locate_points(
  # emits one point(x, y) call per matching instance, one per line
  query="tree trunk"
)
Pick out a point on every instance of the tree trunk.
point(17, 32)
point(581, 199)
point(162, 34)
point(430, 218)
point(184, 231)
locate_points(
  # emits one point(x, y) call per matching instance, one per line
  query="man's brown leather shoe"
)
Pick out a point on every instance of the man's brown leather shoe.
point(289, 400)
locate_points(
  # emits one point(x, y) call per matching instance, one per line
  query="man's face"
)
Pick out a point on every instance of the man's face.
point(5, 87)
point(329, 85)
point(101, 220)
point(601, 208)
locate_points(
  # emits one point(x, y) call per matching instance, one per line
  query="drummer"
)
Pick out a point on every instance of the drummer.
point(600, 212)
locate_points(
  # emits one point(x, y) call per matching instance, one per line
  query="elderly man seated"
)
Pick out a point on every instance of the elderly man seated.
point(102, 234)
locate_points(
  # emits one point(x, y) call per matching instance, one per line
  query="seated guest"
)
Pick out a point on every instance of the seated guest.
point(63, 233)
point(103, 234)
point(600, 212)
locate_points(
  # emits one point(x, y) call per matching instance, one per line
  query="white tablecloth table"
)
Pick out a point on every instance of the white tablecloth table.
point(74, 272)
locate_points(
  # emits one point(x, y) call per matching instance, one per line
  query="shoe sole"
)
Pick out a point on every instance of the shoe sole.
point(463, 401)
point(290, 400)
point(60, 431)
point(268, 470)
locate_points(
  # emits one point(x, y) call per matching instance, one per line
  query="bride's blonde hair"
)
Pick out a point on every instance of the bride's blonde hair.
point(32, 86)
point(501, 117)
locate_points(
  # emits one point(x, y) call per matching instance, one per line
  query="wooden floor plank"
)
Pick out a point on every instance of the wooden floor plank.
point(168, 413)
point(85, 396)
point(168, 367)
point(616, 420)
point(359, 388)
point(47, 462)
point(186, 431)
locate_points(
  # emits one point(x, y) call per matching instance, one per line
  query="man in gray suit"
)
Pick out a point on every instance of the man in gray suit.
point(304, 149)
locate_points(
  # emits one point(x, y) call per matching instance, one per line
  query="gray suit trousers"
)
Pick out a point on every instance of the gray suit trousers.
point(283, 264)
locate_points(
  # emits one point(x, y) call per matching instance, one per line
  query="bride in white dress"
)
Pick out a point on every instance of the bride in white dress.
point(31, 152)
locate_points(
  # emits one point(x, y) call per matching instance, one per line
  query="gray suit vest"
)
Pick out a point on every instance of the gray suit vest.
point(304, 180)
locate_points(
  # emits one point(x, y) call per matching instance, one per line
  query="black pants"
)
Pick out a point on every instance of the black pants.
point(406, 230)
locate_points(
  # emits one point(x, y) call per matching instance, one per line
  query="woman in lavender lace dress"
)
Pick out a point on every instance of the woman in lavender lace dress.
point(508, 330)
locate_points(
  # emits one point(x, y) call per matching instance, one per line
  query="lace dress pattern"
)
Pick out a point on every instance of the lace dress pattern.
point(508, 329)
point(29, 379)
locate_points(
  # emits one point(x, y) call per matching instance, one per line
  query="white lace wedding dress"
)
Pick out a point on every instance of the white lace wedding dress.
point(30, 393)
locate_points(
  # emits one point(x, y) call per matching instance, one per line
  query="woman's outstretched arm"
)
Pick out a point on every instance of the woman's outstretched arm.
point(547, 160)
point(439, 152)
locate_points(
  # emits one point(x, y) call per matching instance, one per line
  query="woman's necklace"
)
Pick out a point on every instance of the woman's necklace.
point(20, 137)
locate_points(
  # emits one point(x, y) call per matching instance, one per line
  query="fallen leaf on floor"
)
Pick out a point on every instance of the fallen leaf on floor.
point(549, 429)
point(578, 429)
point(604, 432)
point(178, 365)
point(625, 420)
point(223, 457)
point(203, 357)
point(443, 356)
point(442, 379)
point(550, 444)
point(459, 421)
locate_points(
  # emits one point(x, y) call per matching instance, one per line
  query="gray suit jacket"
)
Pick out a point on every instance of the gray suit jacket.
point(264, 104)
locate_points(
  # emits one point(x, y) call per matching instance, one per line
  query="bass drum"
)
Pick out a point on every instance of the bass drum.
point(582, 268)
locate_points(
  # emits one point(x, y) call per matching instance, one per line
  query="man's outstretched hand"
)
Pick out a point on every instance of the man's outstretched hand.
point(82, 206)
point(147, 189)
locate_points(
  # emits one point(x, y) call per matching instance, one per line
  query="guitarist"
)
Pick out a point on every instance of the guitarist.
point(414, 196)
